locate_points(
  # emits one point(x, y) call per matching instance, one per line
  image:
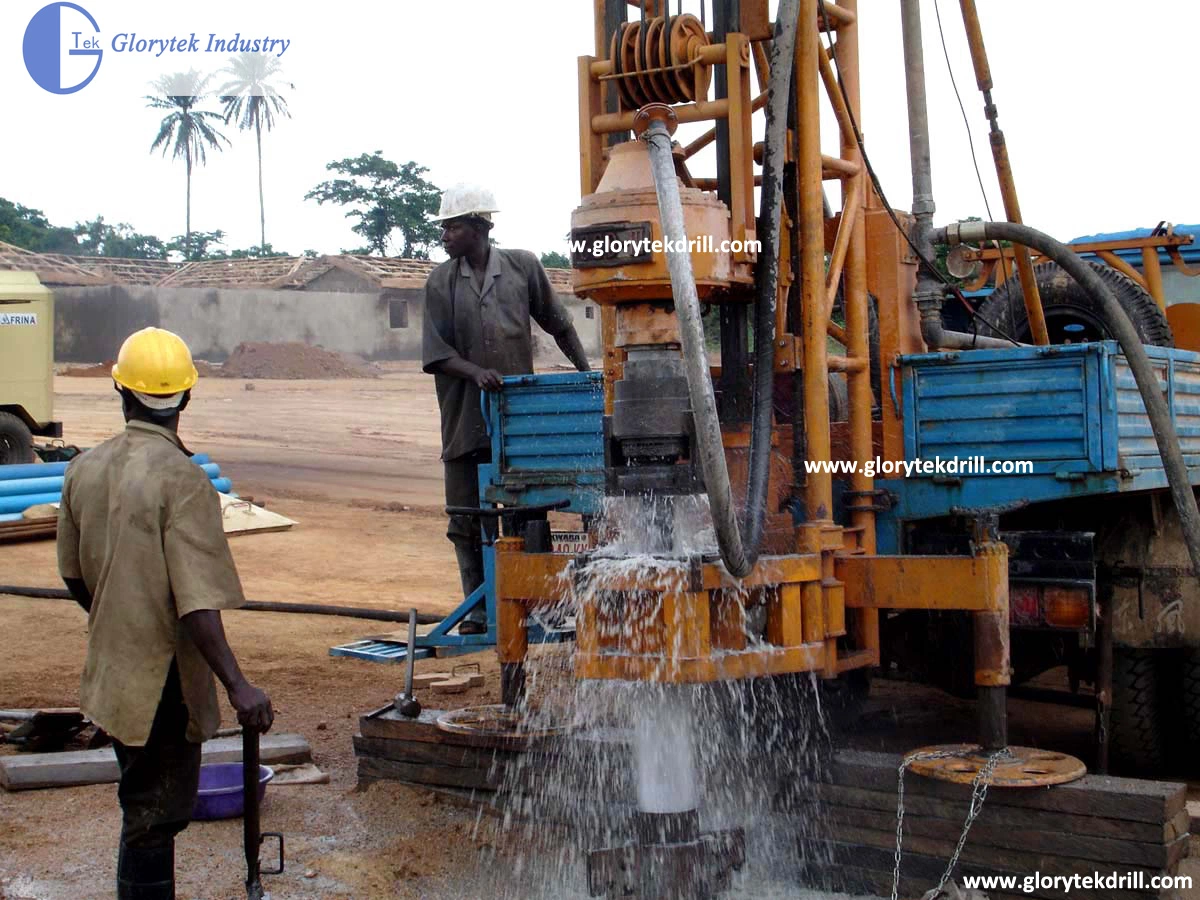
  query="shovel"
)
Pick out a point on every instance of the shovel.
point(252, 837)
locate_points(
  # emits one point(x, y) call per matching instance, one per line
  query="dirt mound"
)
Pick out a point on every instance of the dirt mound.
point(295, 360)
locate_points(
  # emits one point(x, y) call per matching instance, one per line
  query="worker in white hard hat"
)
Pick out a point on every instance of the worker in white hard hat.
point(478, 307)
point(141, 547)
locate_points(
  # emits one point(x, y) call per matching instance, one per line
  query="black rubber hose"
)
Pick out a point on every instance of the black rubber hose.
point(1131, 345)
point(738, 555)
point(310, 609)
point(766, 276)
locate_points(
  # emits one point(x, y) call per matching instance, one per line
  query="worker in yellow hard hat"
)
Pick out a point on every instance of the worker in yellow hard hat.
point(142, 549)
point(478, 309)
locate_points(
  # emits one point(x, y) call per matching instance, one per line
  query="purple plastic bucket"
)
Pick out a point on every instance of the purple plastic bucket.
point(220, 795)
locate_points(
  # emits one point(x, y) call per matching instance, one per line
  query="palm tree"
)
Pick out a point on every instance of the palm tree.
point(253, 102)
point(186, 131)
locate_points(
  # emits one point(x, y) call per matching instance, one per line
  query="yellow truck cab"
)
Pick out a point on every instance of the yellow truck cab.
point(26, 365)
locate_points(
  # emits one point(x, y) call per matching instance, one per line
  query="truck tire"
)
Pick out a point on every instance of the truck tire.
point(16, 440)
point(1190, 682)
point(1136, 740)
point(1072, 315)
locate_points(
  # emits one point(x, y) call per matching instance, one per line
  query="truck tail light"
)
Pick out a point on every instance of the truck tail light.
point(1023, 604)
point(1067, 607)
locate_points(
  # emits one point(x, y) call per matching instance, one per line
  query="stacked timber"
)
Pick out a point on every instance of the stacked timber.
point(544, 777)
point(1096, 825)
point(390, 747)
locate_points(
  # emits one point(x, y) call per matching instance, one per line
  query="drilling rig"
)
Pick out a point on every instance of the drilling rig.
point(663, 249)
point(749, 237)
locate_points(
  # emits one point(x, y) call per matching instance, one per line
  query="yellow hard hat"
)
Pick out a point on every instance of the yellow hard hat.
point(155, 361)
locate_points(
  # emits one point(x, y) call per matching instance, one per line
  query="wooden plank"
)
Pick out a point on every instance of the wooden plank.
point(420, 775)
point(428, 753)
point(993, 857)
point(1093, 795)
point(76, 767)
point(388, 724)
point(21, 715)
point(1015, 817)
point(1005, 837)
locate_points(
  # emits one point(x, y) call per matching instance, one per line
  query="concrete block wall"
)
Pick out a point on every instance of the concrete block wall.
point(91, 322)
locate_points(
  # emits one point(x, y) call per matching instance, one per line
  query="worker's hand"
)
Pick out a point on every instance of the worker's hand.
point(489, 380)
point(253, 707)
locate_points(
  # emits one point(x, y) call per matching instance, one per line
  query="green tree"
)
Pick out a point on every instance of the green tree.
point(385, 197)
point(264, 251)
point(555, 260)
point(187, 131)
point(28, 228)
point(97, 238)
point(253, 101)
point(199, 245)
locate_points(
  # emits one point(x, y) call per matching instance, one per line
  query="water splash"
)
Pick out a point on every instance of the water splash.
point(741, 753)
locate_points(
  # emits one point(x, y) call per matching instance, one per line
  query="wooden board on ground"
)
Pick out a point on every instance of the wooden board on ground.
point(373, 768)
point(76, 767)
point(1013, 860)
point(243, 517)
point(28, 529)
point(430, 753)
point(1093, 795)
point(1004, 837)
point(834, 796)
point(388, 724)
point(21, 715)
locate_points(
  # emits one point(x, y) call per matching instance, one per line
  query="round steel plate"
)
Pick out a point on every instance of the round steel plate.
point(1020, 767)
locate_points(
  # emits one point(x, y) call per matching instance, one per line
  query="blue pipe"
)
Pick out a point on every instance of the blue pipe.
point(23, 502)
point(32, 470)
point(45, 470)
point(16, 503)
point(18, 486)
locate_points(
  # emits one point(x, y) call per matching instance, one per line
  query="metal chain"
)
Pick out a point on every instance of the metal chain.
point(979, 789)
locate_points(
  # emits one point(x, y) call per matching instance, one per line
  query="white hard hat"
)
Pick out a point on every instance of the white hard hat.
point(466, 200)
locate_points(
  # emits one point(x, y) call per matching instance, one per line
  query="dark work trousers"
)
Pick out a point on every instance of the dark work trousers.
point(157, 793)
point(462, 489)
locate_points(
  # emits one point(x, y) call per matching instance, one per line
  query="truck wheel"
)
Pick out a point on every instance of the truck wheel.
point(1191, 708)
point(1072, 316)
point(1136, 736)
point(16, 441)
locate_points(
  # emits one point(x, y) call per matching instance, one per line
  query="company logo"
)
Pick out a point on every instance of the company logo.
point(60, 41)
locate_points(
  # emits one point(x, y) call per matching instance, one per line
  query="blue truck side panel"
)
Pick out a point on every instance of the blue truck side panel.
point(547, 441)
point(1074, 411)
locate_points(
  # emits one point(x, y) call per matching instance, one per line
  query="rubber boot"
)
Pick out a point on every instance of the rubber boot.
point(470, 570)
point(146, 873)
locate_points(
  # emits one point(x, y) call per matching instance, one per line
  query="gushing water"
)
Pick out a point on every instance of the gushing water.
point(662, 743)
point(741, 753)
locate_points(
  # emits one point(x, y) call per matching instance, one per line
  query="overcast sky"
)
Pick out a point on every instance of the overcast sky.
point(1097, 103)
